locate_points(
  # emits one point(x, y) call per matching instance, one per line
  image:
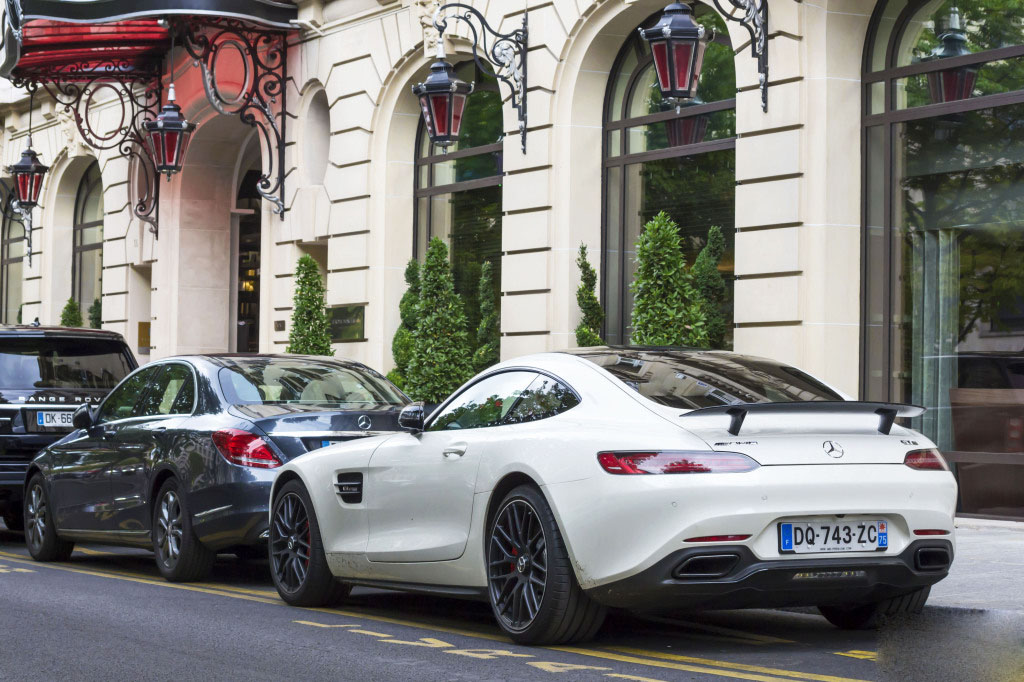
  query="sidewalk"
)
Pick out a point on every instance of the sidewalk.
point(988, 570)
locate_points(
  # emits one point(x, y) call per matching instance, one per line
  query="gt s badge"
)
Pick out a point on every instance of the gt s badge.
point(833, 449)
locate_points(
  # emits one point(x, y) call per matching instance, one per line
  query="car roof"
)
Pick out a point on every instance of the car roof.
point(29, 330)
point(229, 359)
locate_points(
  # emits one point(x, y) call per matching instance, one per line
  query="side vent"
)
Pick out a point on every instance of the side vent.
point(350, 487)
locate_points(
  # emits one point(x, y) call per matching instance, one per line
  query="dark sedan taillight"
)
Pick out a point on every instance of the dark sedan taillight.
point(676, 462)
point(245, 449)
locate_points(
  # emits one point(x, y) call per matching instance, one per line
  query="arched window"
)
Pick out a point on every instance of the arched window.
point(87, 260)
point(943, 236)
point(658, 158)
point(458, 194)
point(12, 253)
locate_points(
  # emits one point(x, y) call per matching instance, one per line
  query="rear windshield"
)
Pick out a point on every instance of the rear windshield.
point(270, 381)
point(691, 380)
point(37, 362)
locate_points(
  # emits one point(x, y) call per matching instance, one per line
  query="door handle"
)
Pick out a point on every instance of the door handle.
point(455, 450)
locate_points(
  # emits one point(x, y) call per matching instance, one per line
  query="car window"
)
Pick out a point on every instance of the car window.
point(485, 403)
point(544, 397)
point(34, 362)
point(121, 402)
point(248, 381)
point(172, 392)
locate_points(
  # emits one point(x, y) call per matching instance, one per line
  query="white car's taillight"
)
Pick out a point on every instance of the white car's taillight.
point(926, 460)
point(676, 462)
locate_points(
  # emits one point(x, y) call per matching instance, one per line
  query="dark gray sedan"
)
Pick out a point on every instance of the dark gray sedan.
point(180, 456)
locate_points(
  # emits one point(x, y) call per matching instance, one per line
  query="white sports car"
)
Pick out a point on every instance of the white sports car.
point(560, 484)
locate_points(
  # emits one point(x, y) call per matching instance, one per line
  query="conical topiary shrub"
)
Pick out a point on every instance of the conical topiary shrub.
point(401, 343)
point(588, 332)
point(488, 334)
point(310, 333)
point(71, 316)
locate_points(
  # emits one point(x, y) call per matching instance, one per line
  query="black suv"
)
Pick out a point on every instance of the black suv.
point(45, 374)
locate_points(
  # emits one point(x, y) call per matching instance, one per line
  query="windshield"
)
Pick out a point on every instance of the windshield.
point(270, 381)
point(38, 362)
point(696, 379)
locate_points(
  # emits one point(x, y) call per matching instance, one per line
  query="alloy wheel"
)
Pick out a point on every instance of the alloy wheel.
point(517, 564)
point(169, 528)
point(290, 542)
point(35, 521)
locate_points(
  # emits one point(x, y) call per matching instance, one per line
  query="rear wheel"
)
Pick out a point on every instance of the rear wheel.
point(869, 616)
point(297, 560)
point(40, 532)
point(179, 554)
point(530, 581)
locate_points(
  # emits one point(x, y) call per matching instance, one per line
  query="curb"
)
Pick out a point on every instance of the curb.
point(988, 524)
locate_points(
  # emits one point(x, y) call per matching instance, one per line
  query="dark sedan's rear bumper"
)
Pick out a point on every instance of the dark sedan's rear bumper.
point(232, 514)
point(731, 577)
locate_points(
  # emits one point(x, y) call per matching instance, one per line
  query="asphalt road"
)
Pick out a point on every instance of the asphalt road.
point(107, 615)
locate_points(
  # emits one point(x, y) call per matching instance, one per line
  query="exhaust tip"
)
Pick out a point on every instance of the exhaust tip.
point(932, 559)
point(707, 566)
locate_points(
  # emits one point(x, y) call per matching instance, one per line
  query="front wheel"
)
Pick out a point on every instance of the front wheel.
point(530, 582)
point(869, 616)
point(179, 554)
point(297, 560)
point(40, 533)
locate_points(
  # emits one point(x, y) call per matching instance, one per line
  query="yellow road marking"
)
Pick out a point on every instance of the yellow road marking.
point(857, 653)
point(324, 625)
point(734, 666)
point(94, 552)
point(633, 677)
point(558, 667)
point(428, 642)
point(726, 669)
point(672, 665)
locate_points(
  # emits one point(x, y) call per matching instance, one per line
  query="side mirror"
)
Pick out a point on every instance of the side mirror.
point(411, 418)
point(82, 418)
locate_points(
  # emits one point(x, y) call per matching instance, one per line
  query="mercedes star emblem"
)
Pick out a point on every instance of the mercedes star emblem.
point(364, 422)
point(833, 449)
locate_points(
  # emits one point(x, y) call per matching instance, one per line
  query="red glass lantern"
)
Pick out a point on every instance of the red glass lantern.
point(168, 136)
point(684, 131)
point(442, 99)
point(951, 85)
point(28, 177)
point(677, 45)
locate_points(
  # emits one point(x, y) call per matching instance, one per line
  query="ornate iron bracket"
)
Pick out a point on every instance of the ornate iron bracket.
point(263, 54)
point(137, 96)
point(753, 16)
point(505, 52)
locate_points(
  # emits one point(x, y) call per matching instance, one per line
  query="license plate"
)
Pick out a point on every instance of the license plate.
point(54, 419)
point(325, 443)
point(816, 537)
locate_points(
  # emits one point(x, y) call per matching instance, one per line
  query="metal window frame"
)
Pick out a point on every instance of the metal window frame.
point(889, 120)
point(6, 260)
point(633, 44)
point(82, 193)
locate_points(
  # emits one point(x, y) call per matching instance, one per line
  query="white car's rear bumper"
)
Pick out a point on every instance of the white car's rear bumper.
point(632, 530)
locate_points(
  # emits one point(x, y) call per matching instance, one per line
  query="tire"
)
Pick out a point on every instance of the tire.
point(180, 556)
point(14, 518)
point(297, 560)
point(40, 533)
point(525, 555)
point(870, 616)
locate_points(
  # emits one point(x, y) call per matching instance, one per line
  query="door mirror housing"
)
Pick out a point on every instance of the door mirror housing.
point(83, 417)
point(411, 418)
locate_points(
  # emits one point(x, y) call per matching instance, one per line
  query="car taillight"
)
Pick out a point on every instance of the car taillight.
point(718, 538)
point(675, 462)
point(925, 460)
point(245, 449)
point(931, 531)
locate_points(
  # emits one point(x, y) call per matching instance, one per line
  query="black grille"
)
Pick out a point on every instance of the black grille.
point(350, 487)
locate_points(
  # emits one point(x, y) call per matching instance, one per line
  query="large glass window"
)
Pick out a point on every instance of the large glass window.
point(12, 254)
point(458, 193)
point(87, 269)
point(661, 158)
point(944, 234)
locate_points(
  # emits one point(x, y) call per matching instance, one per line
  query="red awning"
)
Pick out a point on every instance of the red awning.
point(81, 52)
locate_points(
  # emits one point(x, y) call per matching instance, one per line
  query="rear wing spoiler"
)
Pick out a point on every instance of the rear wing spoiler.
point(887, 412)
